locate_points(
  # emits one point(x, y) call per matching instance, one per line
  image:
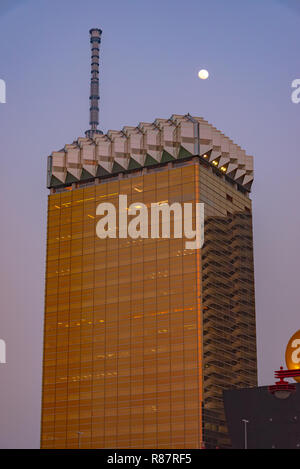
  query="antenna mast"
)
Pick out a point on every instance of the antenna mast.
point(95, 40)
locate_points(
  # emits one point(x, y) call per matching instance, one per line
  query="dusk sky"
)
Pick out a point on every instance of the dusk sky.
point(151, 53)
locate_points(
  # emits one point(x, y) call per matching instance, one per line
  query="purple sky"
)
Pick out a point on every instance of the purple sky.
point(151, 53)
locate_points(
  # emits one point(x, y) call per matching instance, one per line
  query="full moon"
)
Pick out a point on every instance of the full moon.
point(203, 74)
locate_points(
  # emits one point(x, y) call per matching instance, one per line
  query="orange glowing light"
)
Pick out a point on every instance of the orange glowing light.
point(292, 354)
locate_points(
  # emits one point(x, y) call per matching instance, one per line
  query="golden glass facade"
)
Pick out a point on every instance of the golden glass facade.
point(142, 336)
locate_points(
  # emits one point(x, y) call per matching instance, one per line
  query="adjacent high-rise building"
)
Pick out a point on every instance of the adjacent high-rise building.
point(143, 335)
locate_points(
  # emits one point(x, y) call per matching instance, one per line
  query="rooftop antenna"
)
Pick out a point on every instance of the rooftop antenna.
point(95, 40)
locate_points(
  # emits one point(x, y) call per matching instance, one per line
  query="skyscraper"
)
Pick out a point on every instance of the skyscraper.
point(143, 335)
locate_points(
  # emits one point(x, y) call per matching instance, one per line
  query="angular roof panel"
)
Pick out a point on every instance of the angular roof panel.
point(161, 141)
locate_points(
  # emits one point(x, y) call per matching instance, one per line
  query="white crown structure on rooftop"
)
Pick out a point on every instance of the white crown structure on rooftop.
point(131, 148)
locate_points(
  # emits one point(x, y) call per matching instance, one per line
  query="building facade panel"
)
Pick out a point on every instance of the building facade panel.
point(122, 354)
